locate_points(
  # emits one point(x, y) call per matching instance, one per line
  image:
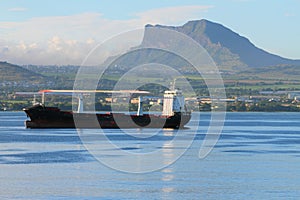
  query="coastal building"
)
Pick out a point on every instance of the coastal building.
point(295, 95)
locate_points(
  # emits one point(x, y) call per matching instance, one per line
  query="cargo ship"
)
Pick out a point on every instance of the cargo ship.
point(174, 114)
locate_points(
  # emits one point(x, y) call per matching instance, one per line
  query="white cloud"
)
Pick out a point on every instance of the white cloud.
point(288, 14)
point(18, 9)
point(54, 44)
point(242, 1)
point(22, 46)
point(172, 15)
point(68, 39)
point(90, 41)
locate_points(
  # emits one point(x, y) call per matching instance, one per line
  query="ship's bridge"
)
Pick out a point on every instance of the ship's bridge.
point(173, 102)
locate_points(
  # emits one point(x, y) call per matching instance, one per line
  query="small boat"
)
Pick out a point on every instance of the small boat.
point(174, 114)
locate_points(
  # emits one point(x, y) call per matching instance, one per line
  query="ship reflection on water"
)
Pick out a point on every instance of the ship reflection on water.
point(132, 150)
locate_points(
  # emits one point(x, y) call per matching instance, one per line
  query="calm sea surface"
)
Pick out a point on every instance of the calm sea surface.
point(256, 157)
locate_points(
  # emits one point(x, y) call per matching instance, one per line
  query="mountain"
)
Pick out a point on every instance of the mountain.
point(11, 72)
point(229, 50)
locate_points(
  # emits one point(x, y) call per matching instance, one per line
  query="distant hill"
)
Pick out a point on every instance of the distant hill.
point(11, 72)
point(229, 50)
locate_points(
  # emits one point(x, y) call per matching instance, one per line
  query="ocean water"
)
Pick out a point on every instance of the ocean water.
point(256, 157)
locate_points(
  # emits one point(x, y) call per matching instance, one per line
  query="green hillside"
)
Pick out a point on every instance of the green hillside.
point(11, 72)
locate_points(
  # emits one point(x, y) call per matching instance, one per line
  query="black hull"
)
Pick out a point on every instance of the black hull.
point(52, 117)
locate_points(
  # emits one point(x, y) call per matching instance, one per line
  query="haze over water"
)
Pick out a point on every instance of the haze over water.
point(257, 157)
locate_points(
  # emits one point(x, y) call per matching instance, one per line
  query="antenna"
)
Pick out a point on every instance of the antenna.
point(173, 84)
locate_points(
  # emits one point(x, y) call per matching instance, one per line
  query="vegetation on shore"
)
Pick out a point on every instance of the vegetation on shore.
point(240, 87)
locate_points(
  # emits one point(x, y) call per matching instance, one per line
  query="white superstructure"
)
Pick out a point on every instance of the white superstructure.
point(173, 102)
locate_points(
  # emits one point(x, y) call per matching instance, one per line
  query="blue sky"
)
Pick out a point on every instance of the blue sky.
point(63, 32)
